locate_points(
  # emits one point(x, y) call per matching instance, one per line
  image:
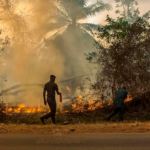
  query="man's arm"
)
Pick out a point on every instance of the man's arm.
point(126, 95)
point(44, 92)
point(57, 90)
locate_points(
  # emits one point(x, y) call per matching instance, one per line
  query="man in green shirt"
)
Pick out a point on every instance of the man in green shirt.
point(50, 88)
point(120, 96)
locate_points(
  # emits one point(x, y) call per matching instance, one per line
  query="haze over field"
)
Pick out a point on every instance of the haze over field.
point(35, 42)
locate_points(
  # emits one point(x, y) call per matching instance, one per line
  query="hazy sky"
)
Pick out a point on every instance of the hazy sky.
point(144, 6)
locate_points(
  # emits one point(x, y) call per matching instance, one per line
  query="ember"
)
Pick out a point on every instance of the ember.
point(68, 88)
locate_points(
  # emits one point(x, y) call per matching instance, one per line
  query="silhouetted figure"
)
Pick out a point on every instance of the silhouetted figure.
point(120, 96)
point(50, 88)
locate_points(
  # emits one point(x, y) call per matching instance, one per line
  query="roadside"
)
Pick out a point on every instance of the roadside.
point(104, 127)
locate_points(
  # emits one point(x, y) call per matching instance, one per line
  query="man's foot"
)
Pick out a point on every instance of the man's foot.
point(42, 120)
point(54, 123)
point(120, 120)
point(65, 123)
point(107, 119)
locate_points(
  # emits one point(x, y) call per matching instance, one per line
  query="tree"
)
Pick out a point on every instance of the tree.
point(128, 9)
point(13, 33)
point(4, 46)
point(71, 37)
point(125, 58)
point(10, 17)
point(68, 13)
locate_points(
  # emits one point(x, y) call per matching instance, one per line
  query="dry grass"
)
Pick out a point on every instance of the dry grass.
point(136, 110)
point(105, 127)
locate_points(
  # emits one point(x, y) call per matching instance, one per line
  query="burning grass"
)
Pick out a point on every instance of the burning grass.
point(78, 111)
point(22, 108)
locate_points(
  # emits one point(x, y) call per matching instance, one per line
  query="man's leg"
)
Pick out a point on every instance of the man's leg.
point(52, 105)
point(121, 114)
point(116, 110)
point(49, 114)
point(45, 117)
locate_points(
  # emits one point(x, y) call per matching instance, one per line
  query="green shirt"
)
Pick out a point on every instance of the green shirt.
point(120, 96)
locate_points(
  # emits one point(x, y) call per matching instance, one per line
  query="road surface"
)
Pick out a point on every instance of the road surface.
point(75, 142)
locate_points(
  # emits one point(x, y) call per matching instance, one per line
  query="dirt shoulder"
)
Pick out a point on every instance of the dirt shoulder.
point(108, 127)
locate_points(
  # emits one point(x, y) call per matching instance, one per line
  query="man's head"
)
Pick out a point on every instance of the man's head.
point(52, 78)
point(124, 87)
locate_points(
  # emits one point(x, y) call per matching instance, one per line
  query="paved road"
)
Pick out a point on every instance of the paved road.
point(75, 142)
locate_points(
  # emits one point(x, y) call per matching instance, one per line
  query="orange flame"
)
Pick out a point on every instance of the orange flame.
point(22, 108)
point(79, 106)
point(68, 88)
point(129, 98)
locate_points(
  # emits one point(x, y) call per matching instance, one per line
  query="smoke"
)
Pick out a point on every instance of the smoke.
point(23, 62)
point(32, 58)
point(25, 66)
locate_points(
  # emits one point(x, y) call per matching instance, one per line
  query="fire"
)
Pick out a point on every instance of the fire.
point(21, 105)
point(31, 110)
point(81, 105)
point(68, 88)
point(22, 108)
point(129, 98)
point(9, 109)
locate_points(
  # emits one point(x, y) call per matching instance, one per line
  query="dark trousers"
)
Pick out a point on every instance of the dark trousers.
point(52, 106)
point(117, 110)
